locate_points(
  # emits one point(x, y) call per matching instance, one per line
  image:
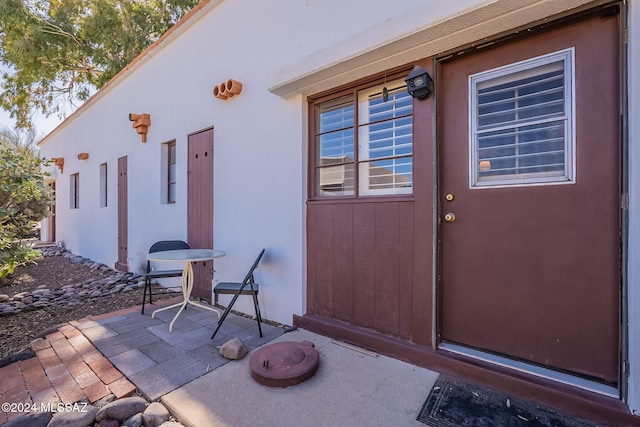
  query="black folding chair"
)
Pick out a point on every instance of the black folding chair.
point(247, 287)
point(150, 274)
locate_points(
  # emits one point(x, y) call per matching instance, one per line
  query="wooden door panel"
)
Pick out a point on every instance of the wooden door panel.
point(123, 226)
point(532, 272)
point(200, 207)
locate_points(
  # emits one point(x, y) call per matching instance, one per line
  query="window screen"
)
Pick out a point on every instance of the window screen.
point(522, 123)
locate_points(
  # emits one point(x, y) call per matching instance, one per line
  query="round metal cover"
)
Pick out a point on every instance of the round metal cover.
point(284, 364)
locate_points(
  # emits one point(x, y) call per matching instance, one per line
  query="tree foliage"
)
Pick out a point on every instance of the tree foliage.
point(58, 52)
point(24, 197)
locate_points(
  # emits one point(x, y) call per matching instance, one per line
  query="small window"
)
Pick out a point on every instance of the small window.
point(522, 123)
point(168, 172)
point(364, 142)
point(103, 185)
point(74, 193)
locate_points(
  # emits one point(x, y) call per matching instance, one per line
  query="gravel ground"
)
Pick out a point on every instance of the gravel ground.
point(18, 330)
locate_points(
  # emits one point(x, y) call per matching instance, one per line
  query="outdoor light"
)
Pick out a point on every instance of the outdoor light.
point(419, 83)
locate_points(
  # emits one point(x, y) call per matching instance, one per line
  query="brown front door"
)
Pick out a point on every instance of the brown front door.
point(200, 207)
point(123, 216)
point(530, 260)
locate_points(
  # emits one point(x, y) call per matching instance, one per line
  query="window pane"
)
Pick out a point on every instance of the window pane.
point(335, 145)
point(172, 193)
point(527, 149)
point(386, 139)
point(334, 115)
point(172, 153)
point(172, 173)
point(524, 97)
point(335, 180)
point(522, 122)
point(391, 176)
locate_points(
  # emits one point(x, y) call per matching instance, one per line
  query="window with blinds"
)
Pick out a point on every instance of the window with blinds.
point(385, 140)
point(522, 123)
point(364, 142)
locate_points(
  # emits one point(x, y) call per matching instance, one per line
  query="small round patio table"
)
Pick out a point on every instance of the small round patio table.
point(187, 256)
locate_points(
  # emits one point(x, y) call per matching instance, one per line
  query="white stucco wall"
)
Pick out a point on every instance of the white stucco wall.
point(280, 51)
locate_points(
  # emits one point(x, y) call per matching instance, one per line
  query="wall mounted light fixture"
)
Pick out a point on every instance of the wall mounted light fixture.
point(419, 83)
point(141, 123)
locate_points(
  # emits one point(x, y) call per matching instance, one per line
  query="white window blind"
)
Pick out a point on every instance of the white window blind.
point(522, 123)
point(385, 140)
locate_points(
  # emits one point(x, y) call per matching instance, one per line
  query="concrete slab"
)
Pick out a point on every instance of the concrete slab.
point(350, 388)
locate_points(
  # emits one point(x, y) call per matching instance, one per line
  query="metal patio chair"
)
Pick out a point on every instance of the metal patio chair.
point(151, 273)
point(247, 287)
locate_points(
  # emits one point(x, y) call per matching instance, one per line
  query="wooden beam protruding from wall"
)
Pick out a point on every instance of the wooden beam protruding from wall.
point(59, 162)
point(141, 123)
point(83, 156)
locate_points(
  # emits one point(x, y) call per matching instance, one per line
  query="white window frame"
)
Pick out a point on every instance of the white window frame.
point(164, 172)
point(569, 177)
point(74, 191)
point(364, 159)
point(103, 185)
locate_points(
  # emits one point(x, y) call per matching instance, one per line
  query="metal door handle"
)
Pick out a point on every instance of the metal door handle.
point(449, 217)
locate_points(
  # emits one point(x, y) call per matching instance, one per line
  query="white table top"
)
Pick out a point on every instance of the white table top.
point(186, 255)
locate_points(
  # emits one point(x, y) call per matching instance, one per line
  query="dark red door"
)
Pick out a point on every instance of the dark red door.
point(530, 257)
point(123, 216)
point(200, 207)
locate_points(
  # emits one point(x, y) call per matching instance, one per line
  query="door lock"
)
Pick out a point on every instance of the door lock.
point(449, 217)
point(449, 197)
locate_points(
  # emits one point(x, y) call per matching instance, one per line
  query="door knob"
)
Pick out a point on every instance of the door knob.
point(450, 217)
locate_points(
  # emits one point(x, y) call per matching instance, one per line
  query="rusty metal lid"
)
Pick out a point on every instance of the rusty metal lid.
point(284, 364)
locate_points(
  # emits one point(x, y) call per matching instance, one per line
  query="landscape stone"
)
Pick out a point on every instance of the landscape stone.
point(234, 349)
point(134, 421)
point(34, 419)
point(109, 422)
point(122, 409)
point(74, 418)
point(107, 399)
point(4, 297)
point(170, 424)
point(155, 414)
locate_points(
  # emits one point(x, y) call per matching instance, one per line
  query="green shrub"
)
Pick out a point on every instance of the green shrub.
point(24, 200)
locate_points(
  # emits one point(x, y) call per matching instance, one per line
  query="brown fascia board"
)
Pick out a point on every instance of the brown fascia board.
point(190, 18)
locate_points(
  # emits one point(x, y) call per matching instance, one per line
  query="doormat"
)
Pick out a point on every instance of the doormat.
point(457, 403)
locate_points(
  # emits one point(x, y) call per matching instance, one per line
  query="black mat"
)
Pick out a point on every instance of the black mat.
point(457, 403)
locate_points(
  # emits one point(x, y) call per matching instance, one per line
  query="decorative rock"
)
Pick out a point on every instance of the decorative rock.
point(135, 421)
point(109, 422)
point(34, 419)
point(234, 349)
point(107, 399)
point(20, 295)
point(4, 298)
point(154, 415)
point(122, 409)
point(74, 418)
point(95, 294)
point(170, 424)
